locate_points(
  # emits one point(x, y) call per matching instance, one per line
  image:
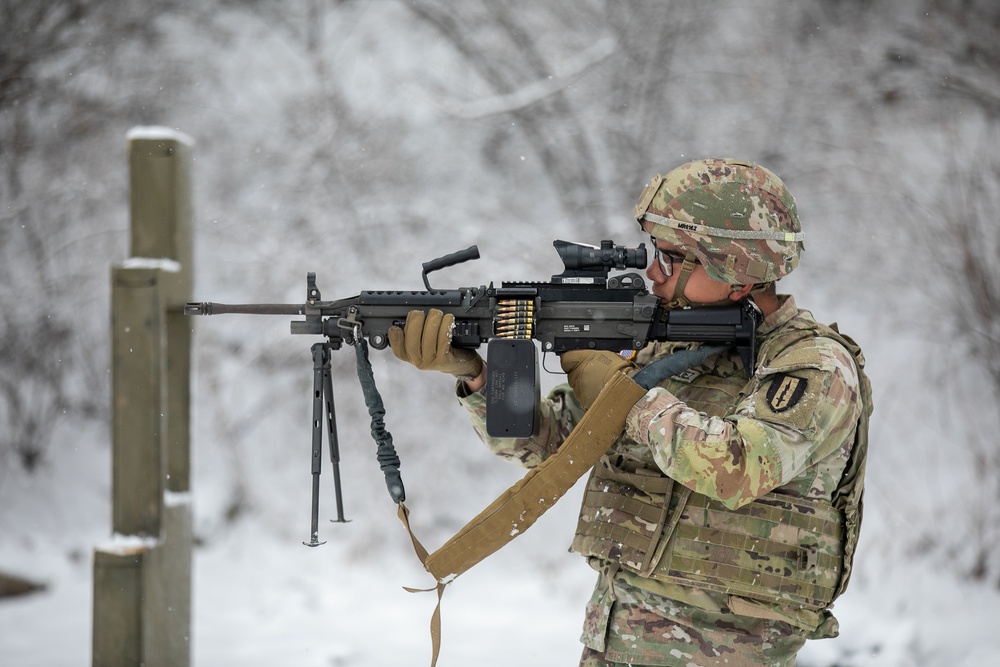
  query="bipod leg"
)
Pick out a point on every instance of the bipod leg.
point(331, 429)
point(321, 368)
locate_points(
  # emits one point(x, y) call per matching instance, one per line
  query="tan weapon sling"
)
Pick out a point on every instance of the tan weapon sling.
point(517, 508)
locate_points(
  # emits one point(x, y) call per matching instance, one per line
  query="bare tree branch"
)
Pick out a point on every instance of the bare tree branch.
point(570, 163)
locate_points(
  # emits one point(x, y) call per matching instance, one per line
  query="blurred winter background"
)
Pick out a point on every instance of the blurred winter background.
point(359, 138)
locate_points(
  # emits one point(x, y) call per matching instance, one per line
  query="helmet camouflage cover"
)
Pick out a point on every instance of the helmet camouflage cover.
point(736, 217)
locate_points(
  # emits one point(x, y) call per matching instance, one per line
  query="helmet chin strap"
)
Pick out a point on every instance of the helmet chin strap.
point(678, 300)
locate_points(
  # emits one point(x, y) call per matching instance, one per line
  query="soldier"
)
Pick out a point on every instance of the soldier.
point(723, 520)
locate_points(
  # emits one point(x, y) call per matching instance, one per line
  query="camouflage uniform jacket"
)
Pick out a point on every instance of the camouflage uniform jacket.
point(731, 441)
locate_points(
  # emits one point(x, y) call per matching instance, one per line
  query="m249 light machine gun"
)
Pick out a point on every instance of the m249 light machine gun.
point(584, 307)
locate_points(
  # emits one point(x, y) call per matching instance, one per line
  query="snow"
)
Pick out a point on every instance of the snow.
point(362, 181)
point(128, 544)
point(161, 263)
point(156, 132)
point(265, 601)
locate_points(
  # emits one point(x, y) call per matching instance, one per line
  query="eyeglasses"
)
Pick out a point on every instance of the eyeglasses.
point(667, 259)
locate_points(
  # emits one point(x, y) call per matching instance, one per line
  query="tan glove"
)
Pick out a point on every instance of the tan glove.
point(590, 370)
point(425, 342)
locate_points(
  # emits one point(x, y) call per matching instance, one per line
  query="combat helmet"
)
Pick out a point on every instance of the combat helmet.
point(736, 218)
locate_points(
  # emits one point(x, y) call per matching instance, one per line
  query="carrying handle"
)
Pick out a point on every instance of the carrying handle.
point(472, 252)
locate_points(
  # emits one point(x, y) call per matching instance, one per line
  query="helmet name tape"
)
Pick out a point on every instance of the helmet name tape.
point(748, 234)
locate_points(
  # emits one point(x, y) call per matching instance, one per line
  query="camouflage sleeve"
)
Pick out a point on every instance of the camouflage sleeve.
point(800, 412)
point(557, 415)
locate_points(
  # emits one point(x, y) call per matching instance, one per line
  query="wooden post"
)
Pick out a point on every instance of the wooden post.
point(139, 392)
point(160, 201)
point(142, 578)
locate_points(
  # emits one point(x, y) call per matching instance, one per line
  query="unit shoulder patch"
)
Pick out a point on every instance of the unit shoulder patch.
point(785, 391)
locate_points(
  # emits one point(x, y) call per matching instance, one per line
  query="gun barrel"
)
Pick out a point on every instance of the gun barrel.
point(210, 308)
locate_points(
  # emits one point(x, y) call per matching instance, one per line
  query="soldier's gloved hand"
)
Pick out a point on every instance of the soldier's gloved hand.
point(425, 342)
point(590, 370)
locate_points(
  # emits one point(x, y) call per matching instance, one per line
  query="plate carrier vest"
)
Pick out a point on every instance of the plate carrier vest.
point(778, 549)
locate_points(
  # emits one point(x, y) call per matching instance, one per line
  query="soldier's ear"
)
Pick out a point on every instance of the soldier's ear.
point(739, 291)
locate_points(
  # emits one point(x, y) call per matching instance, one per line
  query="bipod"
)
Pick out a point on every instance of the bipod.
point(323, 410)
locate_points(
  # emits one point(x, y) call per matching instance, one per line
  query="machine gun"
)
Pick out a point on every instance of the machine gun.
point(584, 307)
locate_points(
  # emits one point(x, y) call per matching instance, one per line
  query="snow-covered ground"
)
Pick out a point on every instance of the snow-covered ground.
point(262, 599)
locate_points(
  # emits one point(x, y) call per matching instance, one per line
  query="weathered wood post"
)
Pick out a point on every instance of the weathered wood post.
point(142, 577)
